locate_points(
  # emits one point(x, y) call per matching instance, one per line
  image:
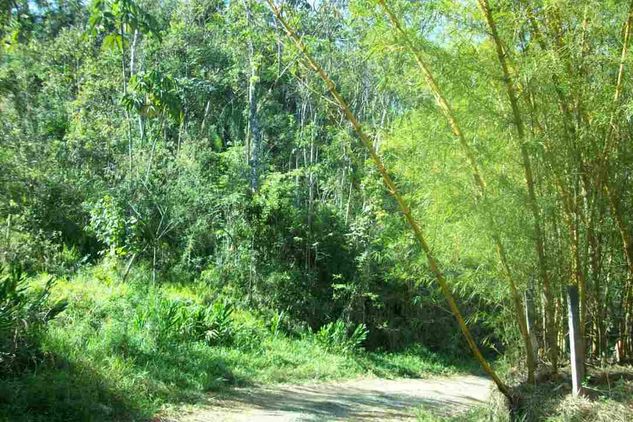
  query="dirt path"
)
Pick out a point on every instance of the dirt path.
point(357, 400)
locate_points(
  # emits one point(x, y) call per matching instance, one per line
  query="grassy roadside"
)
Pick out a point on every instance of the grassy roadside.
point(609, 398)
point(495, 410)
point(123, 351)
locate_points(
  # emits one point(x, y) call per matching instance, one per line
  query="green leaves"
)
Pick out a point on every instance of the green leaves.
point(172, 321)
point(118, 18)
point(153, 94)
point(24, 312)
point(113, 40)
point(339, 336)
point(108, 223)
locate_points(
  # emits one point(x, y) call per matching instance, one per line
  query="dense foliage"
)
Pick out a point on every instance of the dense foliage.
point(125, 351)
point(23, 314)
point(192, 139)
point(126, 134)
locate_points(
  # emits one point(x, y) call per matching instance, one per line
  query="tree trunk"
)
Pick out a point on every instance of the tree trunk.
point(253, 135)
point(127, 113)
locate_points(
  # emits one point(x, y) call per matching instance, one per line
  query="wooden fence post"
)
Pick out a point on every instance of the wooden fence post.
point(529, 318)
point(576, 345)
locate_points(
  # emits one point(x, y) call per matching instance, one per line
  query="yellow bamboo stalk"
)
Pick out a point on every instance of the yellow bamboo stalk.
point(625, 46)
point(610, 144)
point(391, 187)
point(613, 200)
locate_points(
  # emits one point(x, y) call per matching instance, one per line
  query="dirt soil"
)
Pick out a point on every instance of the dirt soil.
point(356, 400)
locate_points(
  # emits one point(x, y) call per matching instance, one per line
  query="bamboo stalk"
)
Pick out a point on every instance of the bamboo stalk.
point(449, 114)
point(570, 212)
point(551, 328)
point(612, 198)
point(613, 202)
point(391, 187)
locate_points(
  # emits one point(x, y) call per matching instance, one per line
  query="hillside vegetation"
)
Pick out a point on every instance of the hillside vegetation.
point(125, 351)
point(206, 193)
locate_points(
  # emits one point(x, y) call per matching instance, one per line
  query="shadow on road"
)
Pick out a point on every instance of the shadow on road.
point(372, 399)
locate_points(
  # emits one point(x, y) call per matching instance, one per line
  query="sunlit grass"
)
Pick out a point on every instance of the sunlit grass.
point(108, 356)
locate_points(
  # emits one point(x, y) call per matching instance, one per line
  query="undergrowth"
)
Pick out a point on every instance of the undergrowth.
point(609, 398)
point(494, 410)
point(124, 351)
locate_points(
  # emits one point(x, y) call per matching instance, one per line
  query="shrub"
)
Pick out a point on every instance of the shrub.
point(215, 323)
point(170, 320)
point(337, 336)
point(24, 312)
point(276, 323)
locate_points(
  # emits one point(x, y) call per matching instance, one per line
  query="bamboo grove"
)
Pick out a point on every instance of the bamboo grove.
point(570, 203)
point(216, 140)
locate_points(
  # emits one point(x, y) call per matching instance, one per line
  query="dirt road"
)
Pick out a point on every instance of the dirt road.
point(356, 400)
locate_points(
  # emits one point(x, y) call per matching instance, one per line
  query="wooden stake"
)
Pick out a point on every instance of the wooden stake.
point(576, 345)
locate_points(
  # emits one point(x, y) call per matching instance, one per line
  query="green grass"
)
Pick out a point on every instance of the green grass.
point(112, 355)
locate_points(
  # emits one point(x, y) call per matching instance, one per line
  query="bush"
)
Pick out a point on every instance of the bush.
point(174, 320)
point(276, 323)
point(24, 312)
point(334, 337)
